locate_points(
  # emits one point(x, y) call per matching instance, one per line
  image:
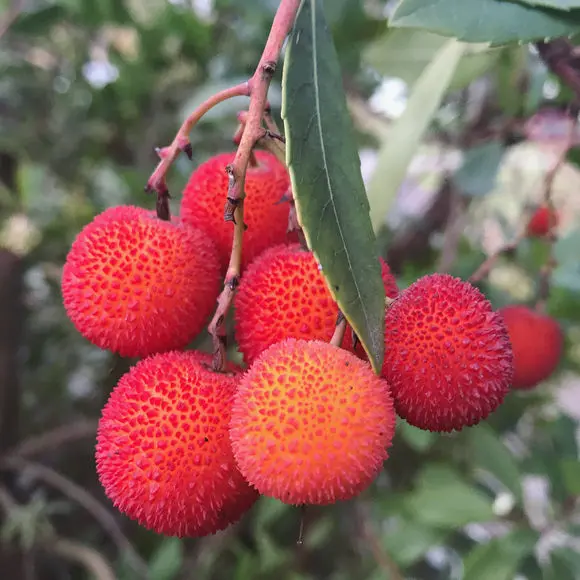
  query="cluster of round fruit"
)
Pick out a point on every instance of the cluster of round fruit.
point(186, 450)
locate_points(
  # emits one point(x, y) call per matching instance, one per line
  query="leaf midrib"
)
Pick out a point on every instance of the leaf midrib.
point(323, 149)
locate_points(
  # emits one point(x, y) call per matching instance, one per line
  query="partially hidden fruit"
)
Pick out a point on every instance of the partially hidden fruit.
point(448, 357)
point(266, 218)
point(283, 294)
point(137, 285)
point(164, 455)
point(311, 423)
point(542, 221)
point(537, 343)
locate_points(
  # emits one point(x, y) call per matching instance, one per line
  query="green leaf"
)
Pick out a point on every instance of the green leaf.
point(418, 439)
point(564, 564)
point(166, 561)
point(478, 172)
point(499, 559)
point(405, 54)
point(326, 178)
point(570, 469)
point(493, 21)
point(406, 133)
point(410, 540)
point(555, 4)
point(444, 500)
point(488, 452)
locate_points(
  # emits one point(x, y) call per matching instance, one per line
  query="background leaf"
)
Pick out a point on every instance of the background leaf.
point(494, 21)
point(488, 452)
point(444, 500)
point(404, 54)
point(556, 4)
point(406, 133)
point(478, 172)
point(326, 178)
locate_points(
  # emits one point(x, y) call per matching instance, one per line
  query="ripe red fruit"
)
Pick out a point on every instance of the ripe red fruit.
point(540, 223)
point(163, 452)
point(204, 196)
point(447, 354)
point(311, 423)
point(136, 285)
point(537, 343)
point(283, 294)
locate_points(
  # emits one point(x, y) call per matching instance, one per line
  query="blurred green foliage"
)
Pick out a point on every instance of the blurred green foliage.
point(87, 91)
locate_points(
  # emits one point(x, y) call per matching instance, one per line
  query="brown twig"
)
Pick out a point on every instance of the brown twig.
point(381, 556)
point(453, 232)
point(544, 282)
point(84, 499)
point(488, 264)
point(92, 560)
point(54, 439)
point(158, 181)
point(10, 16)
point(563, 59)
point(253, 131)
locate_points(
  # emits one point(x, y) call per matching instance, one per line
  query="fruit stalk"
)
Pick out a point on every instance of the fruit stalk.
point(181, 142)
point(551, 237)
point(253, 131)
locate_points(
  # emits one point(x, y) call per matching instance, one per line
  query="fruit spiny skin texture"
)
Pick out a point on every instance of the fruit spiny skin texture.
point(311, 423)
point(204, 196)
point(136, 285)
point(283, 294)
point(163, 452)
point(447, 354)
point(537, 343)
point(540, 223)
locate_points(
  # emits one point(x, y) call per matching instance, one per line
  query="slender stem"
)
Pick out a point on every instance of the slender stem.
point(253, 131)
point(339, 330)
point(181, 142)
point(544, 282)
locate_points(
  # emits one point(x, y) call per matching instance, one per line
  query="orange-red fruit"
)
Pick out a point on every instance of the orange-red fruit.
point(540, 223)
point(283, 294)
point(204, 196)
point(447, 354)
point(537, 342)
point(136, 285)
point(163, 452)
point(311, 423)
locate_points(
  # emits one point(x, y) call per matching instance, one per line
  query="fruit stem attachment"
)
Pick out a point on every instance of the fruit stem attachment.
point(339, 330)
point(253, 131)
point(181, 142)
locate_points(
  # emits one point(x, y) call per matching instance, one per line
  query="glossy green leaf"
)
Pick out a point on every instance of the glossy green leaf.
point(405, 54)
point(326, 178)
point(493, 21)
point(403, 139)
point(488, 452)
point(444, 500)
point(499, 559)
point(478, 173)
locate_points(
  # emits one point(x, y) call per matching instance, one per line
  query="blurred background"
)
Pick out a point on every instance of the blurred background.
point(88, 89)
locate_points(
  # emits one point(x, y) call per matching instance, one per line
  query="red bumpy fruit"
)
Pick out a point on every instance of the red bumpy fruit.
point(136, 285)
point(204, 196)
point(447, 354)
point(311, 423)
point(164, 455)
point(537, 342)
point(283, 294)
point(540, 223)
